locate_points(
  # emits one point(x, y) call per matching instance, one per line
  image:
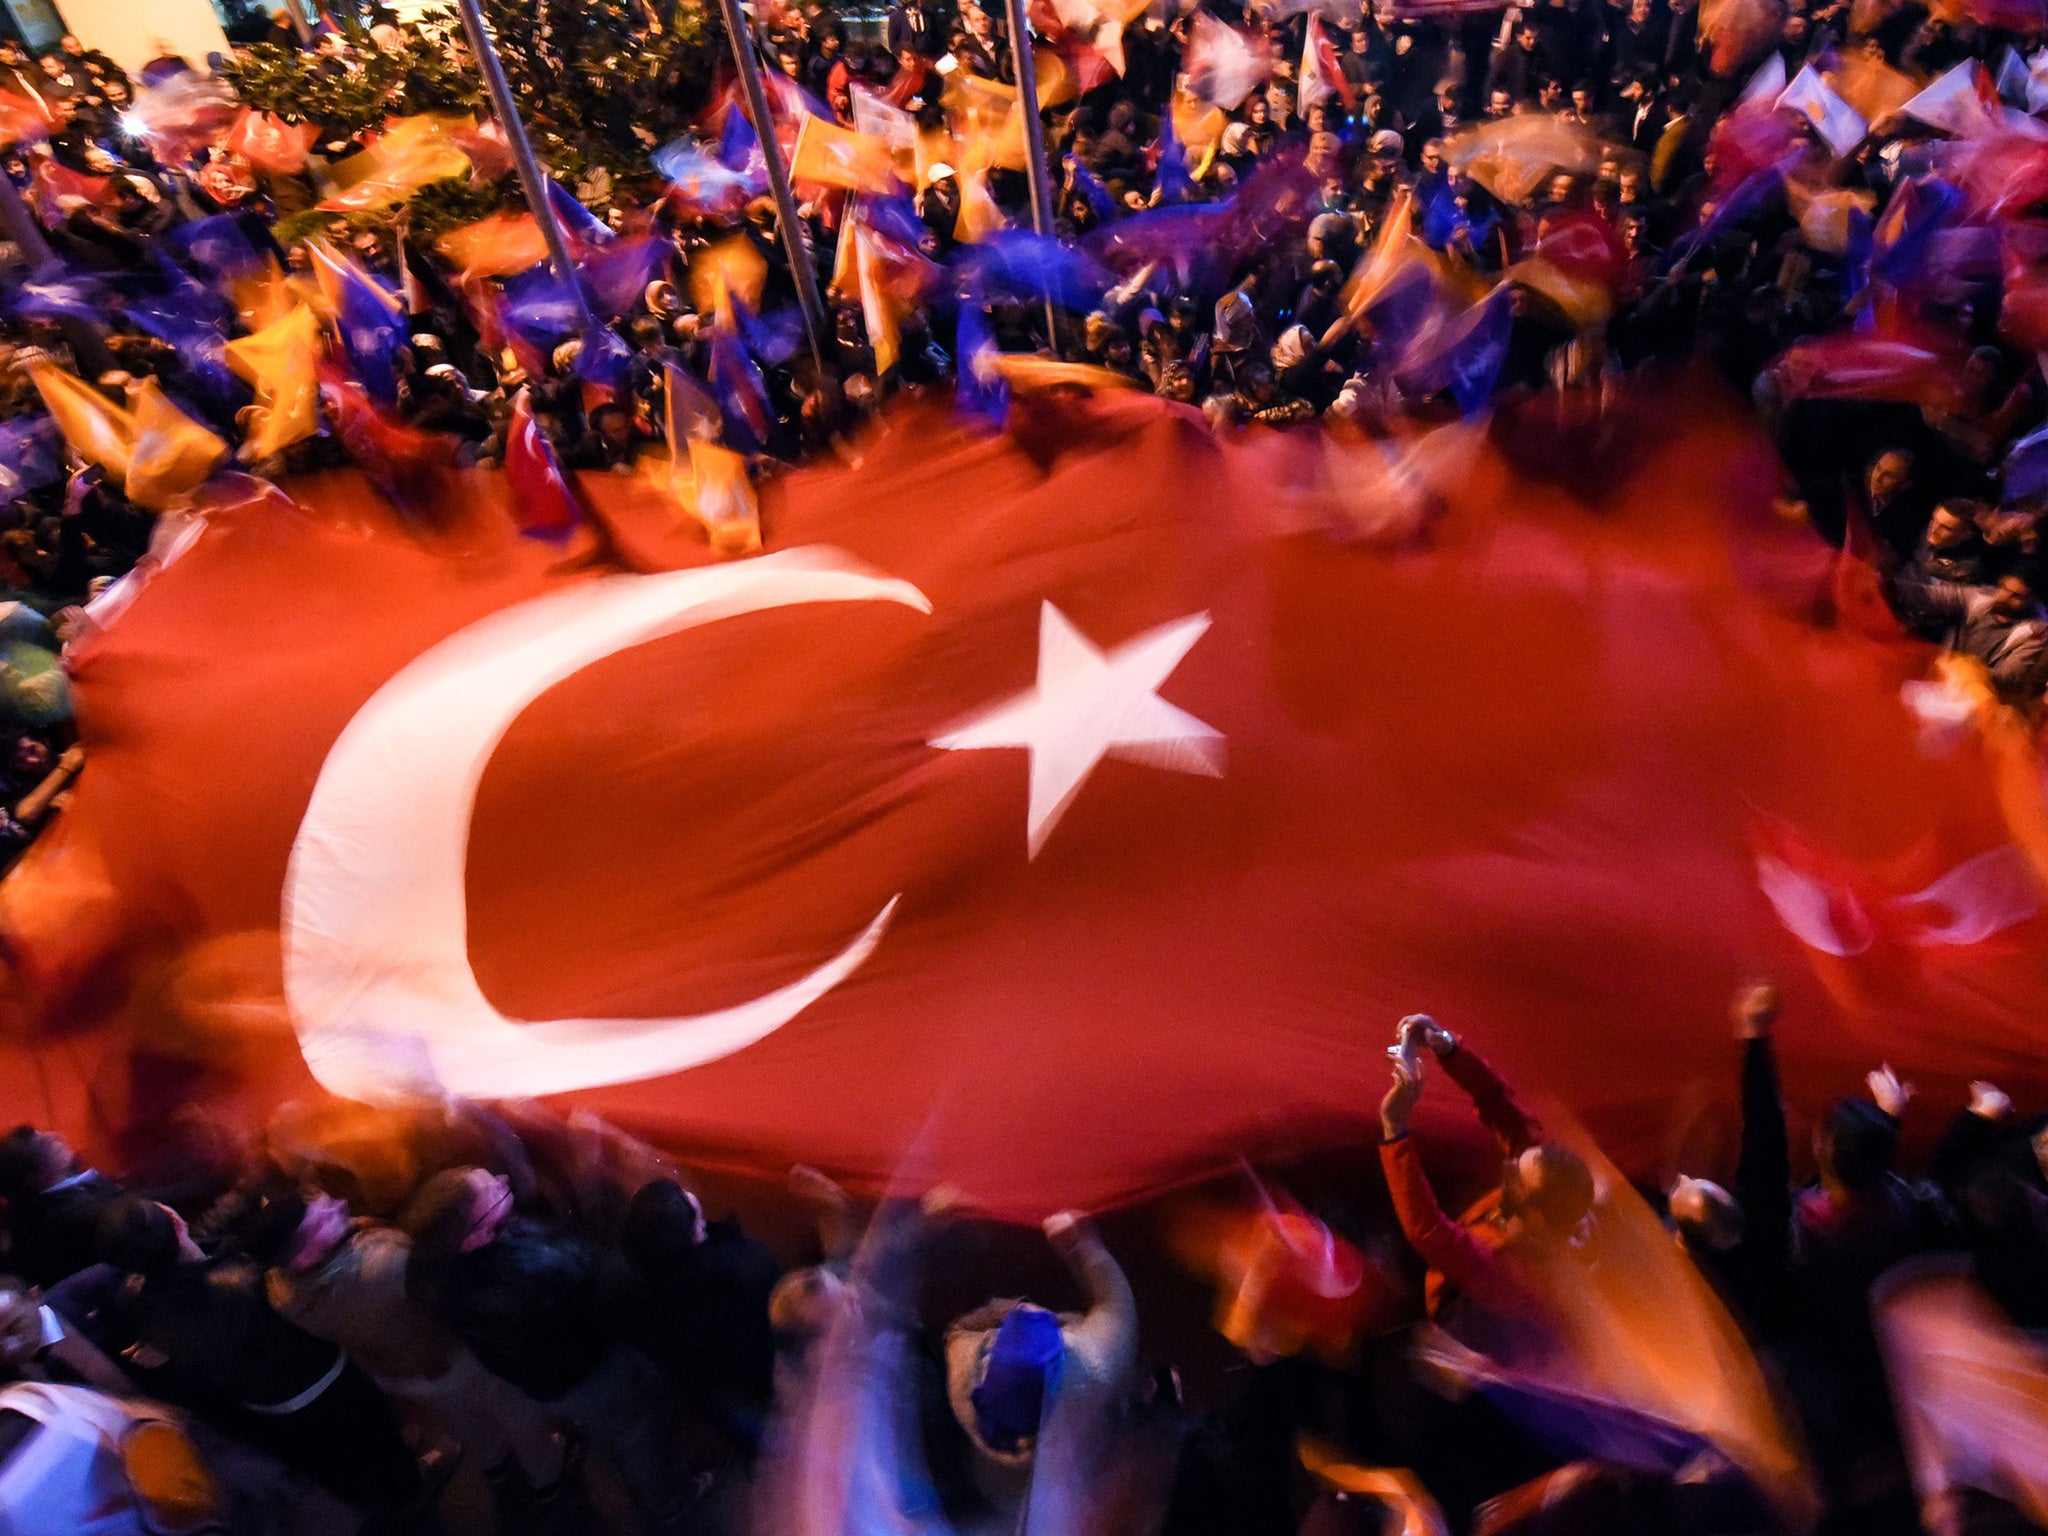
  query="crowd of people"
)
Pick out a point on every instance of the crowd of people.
point(485, 1317)
point(493, 1318)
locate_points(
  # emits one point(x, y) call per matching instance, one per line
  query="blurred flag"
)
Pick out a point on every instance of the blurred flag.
point(1872, 86)
point(153, 450)
point(489, 151)
point(688, 411)
point(544, 502)
point(737, 385)
point(831, 156)
point(366, 320)
point(31, 455)
point(281, 363)
point(498, 245)
point(60, 191)
point(1839, 125)
point(581, 225)
point(1953, 102)
point(1462, 355)
point(722, 498)
point(1222, 65)
point(22, 119)
point(411, 154)
point(183, 114)
point(1173, 184)
point(1767, 84)
point(702, 181)
point(58, 294)
point(410, 467)
point(1322, 77)
point(980, 390)
point(979, 216)
point(616, 276)
point(170, 453)
point(734, 268)
point(96, 428)
point(271, 144)
point(1971, 1390)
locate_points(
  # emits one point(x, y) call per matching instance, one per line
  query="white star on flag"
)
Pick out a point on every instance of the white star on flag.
point(1088, 705)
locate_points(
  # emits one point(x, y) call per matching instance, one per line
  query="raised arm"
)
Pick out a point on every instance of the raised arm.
point(1763, 1170)
point(1107, 1336)
point(1498, 1109)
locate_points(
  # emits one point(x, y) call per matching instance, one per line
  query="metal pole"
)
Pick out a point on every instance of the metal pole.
point(531, 177)
point(796, 244)
point(1035, 170)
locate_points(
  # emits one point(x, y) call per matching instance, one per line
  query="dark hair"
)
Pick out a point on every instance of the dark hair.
point(1856, 1143)
point(267, 1235)
point(438, 1216)
point(659, 1233)
point(20, 1156)
point(137, 1236)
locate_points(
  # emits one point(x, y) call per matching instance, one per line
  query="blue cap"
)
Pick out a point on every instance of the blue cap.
point(1023, 1370)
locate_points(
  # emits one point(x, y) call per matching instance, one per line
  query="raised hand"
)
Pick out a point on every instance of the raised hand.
point(1892, 1095)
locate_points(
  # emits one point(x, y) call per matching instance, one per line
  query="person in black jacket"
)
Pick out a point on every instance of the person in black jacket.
point(1742, 1240)
point(523, 1295)
point(53, 1206)
point(206, 1326)
point(694, 1297)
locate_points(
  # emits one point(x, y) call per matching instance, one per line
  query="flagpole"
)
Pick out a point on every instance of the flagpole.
point(531, 178)
point(796, 245)
point(1035, 171)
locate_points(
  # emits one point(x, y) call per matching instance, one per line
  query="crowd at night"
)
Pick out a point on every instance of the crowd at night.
point(314, 254)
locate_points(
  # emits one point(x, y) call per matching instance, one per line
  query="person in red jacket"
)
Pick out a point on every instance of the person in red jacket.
point(1479, 1273)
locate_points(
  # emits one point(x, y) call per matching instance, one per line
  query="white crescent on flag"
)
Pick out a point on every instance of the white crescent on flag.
point(376, 965)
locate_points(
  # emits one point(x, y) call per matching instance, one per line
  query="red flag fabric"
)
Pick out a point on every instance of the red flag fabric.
point(544, 502)
point(1065, 805)
point(270, 143)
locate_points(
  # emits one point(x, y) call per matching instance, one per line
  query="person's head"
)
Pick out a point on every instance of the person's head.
point(1979, 375)
point(1629, 184)
point(1017, 1372)
point(2013, 598)
point(1705, 1214)
point(664, 1227)
point(1564, 189)
point(613, 424)
point(1433, 157)
point(1255, 111)
point(1549, 1190)
point(1500, 102)
point(141, 1237)
point(1890, 473)
point(1953, 526)
point(293, 1231)
point(1526, 37)
point(803, 1304)
point(1582, 99)
point(32, 1160)
point(456, 1211)
point(1550, 93)
point(70, 43)
point(1854, 1145)
point(790, 62)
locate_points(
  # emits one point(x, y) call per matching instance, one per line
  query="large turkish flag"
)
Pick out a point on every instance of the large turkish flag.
point(1183, 793)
